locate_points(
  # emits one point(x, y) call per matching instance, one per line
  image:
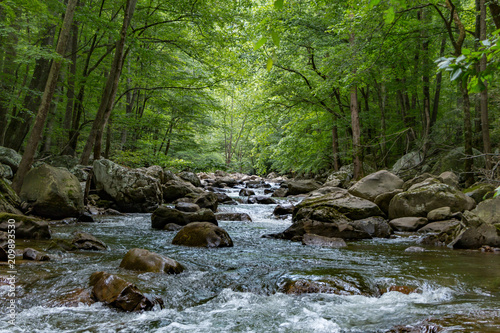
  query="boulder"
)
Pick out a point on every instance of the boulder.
point(449, 178)
point(52, 192)
point(10, 157)
point(116, 292)
point(343, 285)
point(280, 193)
point(375, 184)
point(439, 214)
point(414, 249)
point(85, 241)
point(255, 184)
point(225, 181)
point(131, 190)
point(146, 261)
point(223, 198)
point(261, 199)
point(187, 207)
point(408, 161)
point(246, 192)
point(489, 210)
point(26, 227)
point(383, 200)
point(316, 240)
point(375, 226)
point(202, 234)
point(339, 179)
point(154, 171)
point(283, 209)
point(336, 229)
point(6, 171)
point(454, 161)
point(176, 189)
point(32, 254)
point(323, 191)
point(190, 177)
point(351, 206)
point(419, 179)
point(9, 200)
point(164, 215)
point(208, 200)
point(440, 226)
point(473, 233)
point(421, 198)
point(408, 223)
point(244, 217)
point(480, 192)
point(296, 187)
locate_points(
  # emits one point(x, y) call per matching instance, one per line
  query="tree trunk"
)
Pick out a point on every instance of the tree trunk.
point(437, 92)
point(335, 147)
point(109, 92)
point(36, 133)
point(469, 176)
point(485, 126)
point(495, 12)
point(426, 86)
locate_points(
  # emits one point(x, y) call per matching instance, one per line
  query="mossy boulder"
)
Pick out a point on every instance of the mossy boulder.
point(454, 160)
point(338, 229)
point(296, 187)
point(9, 200)
point(207, 200)
point(52, 192)
point(10, 157)
point(146, 261)
point(375, 226)
point(26, 227)
point(202, 234)
point(489, 210)
point(164, 215)
point(480, 192)
point(377, 183)
point(473, 233)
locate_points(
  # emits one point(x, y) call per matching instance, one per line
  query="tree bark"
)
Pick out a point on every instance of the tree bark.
point(109, 92)
point(50, 87)
point(485, 126)
point(469, 176)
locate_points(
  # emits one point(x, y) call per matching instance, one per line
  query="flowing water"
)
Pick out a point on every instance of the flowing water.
point(241, 289)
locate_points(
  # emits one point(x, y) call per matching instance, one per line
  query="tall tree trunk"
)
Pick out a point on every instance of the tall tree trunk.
point(469, 176)
point(356, 134)
point(335, 146)
point(37, 131)
point(437, 92)
point(495, 12)
point(109, 92)
point(426, 85)
point(485, 125)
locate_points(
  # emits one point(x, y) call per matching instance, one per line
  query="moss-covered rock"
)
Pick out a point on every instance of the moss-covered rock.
point(489, 211)
point(202, 234)
point(52, 192)
point(146, 261)
point(26, 227)
point(9, 200)
point(480, 192)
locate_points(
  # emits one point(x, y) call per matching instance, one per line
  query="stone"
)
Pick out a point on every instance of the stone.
point(52, 192)
point(119, 293)
point(450, 178)
point(223, 198)
point(32, 254)
point(283, 209)
point(208, 200)
point(73, 298)
point(9, 200)
point(440, 226)
point(408, 223)
point(202, 234)
point(26, 227)
point(375, 226)
point(10, 157)
point(243, 217)
point(296, 187)
point(408, 161)
point(164, 215)
point(85, 241)
point(280, 192)
point(261, 199)
point(6, 171)
point(439, 214)
point(344, 285)
point(131, 189)
point(316, 240)
point(414, 249)
point(351, 206)
point(338, 229)
point(244, 192)
point(146, 261)
point(190, 177)
point(375, 184)
point(187, 207)
point(383, 200)
point(424, 197)
point(225, 181)
point(480, 192)
point(323, 191)
point(454, 161)
point(489, 210)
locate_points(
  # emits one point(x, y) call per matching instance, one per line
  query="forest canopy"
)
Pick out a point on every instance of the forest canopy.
point(254, 86)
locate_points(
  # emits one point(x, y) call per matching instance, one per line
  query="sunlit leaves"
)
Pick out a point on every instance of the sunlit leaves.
point(260, 43)
point(278, 4)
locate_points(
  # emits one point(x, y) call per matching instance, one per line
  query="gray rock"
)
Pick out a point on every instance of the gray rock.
point(202, 234)
point(85, 241)
point(450, 178)
point(246, 192)
point(32, 254)
point(375, 226)
point(439, 214)
point(190, 177)
point(10, 157)
point(164, 215)
point(261, 199)
point(479, 191)
point(415, 249)
point(375, 184)
point(383, 200)
point(283, 209)
point(316, 240)
point(440, 226)
point(187, 207)
point(244, 217)
point(408, 223)
point(208, 200)
point(489, 210)
point(454, 161)
point(9, 200)
point(6, 171)
point(473, 233)
point(280, 193)
point(26, 227)
point(296, 187)
point(408, 161)
point(337, 229)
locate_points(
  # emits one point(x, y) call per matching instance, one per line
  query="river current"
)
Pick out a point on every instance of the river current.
point(241, 289)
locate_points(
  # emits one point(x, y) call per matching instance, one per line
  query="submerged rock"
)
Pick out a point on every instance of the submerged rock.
point(32, 254)
point(52, 192)
point(202, 234)
point(116, 292)
point(146, 261)
point(261, 199)
point(316, 240)
point(85, 241)
point(246, 192)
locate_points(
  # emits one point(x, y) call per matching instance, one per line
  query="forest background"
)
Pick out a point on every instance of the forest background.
point(293, 87)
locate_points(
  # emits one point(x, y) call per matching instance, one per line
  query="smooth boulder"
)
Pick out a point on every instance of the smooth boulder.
point(489, 210)
point(146, 261)
point(296, 187)
point(408, 223)
point(316, 240)
point(243, 217)
point(52, 192)
point(164, 216)
point(202, 234)
point(26, 227)
point(261, 199)
point(375, 226)
point(375, 184)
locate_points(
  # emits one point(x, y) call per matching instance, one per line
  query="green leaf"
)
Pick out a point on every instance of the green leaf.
point(497, 192)
point(455, 74)
point(278, 4)
point(389, 15)
point(259, 44)
point(465, 51)
point(373, 3)
point(276, 38)
point(269, 64)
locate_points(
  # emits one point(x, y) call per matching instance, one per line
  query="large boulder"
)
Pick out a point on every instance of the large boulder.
point(163, 215)
point(408, 223)
point(337, 229)
point(383, 200)
point(26, 227)
point(375, 226)
point(243, 217)
point(473, 233)
point(283, 209)
point(480, 192)
point(296, 187)
point(52, 192)
point(454, 160)
point(261, 199)
point(131, 190)
point(208, 200)
point(351, 206)
point(10, 157)
point(202, 234)
point(375, 184)
point(489, 211)
point(316, 240)
point(190, 177)
point(439, 226)
point(119, 293)
point(9, 200)
point(424, 197)
point(85, 241)
point(146, 261)
point(6, 171)
point(408, 161)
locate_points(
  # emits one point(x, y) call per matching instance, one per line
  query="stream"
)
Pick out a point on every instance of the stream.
point(240, 289)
